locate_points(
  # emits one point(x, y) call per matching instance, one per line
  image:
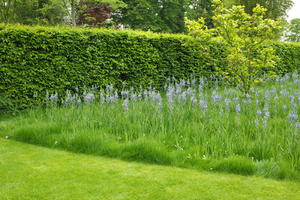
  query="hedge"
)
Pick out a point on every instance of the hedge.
point(289, 54)
point(34, 60)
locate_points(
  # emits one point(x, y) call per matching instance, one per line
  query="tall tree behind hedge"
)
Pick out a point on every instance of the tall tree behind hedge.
point(94, 13)
point(52, 12)
point(195, 9)
point(293, 32)
point(141, 14)
point(154, 15)
point(172, 14)
point(91, 12)
point(162, 15)
point(276, 8)
point(49, 12)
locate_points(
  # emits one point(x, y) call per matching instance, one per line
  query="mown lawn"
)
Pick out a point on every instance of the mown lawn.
point(32, 172)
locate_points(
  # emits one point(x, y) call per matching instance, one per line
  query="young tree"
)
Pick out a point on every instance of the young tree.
point(245, 36)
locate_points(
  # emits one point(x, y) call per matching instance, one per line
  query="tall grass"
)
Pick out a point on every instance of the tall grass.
point(187, 125)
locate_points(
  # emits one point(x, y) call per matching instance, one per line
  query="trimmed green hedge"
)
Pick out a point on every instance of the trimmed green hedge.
point(289, 54)
point(36, 59)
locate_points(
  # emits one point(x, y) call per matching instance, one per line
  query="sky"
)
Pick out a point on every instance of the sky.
point(295, 11)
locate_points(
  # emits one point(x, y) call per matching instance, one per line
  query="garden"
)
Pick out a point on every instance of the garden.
point(221, 101)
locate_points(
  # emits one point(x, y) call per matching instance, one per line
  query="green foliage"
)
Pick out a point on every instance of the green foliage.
point(47, 12)
point(196, 9)
point(289, 57)
point(236, 164)
point(141, 14)
point(92, 12)
point(36, 59)
point(115, 4)
point(179, 132)
point(172, 14)
point(293, 32)
point(146, 151)
point(6, 105)
point(33, 60)
point(162, 16)
point(247, 56)
point(278, 170)
point(157, 16)
point(275, 8)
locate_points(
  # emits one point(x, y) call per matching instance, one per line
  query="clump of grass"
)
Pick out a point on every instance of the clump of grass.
point(276, 169)
point(187, 125)
point(40, 133)
point(235, 164)
point(146, 151)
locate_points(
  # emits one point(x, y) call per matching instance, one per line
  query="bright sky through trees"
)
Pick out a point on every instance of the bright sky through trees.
point(295, 11)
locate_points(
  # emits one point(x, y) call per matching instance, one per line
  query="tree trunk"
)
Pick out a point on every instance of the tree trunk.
point(73, 12)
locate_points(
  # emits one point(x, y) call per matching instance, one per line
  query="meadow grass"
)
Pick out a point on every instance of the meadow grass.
point(187, 125)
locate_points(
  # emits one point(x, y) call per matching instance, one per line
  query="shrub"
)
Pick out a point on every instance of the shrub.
point(34, 60)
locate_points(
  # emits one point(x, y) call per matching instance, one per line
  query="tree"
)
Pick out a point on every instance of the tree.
point(195, 9)
point(51, 12)
point(54, 12)
point(293, 34)
point(162, 15)
point(7, 10)
point(154, 15)
point(172, 15)
point(275, 8)
point(245, 37)
point(141, 14)
point(92, 12)
point(32, 11)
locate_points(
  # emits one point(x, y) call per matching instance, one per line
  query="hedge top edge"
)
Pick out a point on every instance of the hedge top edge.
point(64, 29)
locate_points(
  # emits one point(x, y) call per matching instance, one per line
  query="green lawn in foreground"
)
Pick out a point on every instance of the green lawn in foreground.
point(32, 172)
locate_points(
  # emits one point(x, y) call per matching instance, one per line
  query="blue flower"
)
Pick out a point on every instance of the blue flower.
point(293, 116)
point(238, 108)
